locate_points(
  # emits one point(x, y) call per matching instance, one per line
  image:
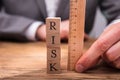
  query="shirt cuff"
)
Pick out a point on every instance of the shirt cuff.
point(115, 22)
point(31, 31)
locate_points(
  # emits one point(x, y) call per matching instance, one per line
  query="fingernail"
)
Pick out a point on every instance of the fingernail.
point(79, 68)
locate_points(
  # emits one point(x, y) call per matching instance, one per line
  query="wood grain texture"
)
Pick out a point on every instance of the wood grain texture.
point(53, 45)
point(76, 31)
point(53, 25)
point(52, 52)
point(27, 61)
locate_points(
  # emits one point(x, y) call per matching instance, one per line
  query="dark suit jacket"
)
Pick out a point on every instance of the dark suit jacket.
point(19, 14)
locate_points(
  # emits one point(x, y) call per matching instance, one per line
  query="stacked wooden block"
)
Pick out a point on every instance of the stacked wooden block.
point(53, 45)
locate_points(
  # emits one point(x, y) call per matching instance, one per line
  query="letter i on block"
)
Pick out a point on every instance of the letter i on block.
point(53, 45)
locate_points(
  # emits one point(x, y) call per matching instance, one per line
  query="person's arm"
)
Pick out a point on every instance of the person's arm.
point(18, 28)
point(13, 27)
point(110, 9)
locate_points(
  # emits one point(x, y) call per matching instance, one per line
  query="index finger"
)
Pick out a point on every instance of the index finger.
point(91, 57)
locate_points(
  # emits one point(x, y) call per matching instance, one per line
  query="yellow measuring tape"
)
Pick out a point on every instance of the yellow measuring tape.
point(76, 32)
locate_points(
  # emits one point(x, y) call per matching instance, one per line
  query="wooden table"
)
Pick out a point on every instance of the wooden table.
point(27, 61)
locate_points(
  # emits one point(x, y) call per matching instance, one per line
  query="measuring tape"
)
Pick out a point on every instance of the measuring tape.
point(76, 32)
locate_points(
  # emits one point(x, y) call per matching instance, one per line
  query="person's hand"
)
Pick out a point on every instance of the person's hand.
point(64, 29)
point(107, 46)
point(41, 33)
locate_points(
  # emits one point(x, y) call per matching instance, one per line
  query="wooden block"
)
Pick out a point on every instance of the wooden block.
point(53, 40)
point(53, 25)
point(53, 67)
point(53, 45)
point(53, 31)
point(53, 54)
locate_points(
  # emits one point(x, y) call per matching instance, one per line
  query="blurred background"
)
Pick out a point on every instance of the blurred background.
point(100, 24)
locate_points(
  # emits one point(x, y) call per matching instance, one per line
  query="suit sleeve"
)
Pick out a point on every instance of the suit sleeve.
point(110, 9)
point(13, 27)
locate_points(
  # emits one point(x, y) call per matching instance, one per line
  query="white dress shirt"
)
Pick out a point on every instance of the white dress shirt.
point(51, 7)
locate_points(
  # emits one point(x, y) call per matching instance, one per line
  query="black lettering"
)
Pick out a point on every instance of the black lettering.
point(53, 39)
point(53, 55)
point(52, 25)
point(52, 67)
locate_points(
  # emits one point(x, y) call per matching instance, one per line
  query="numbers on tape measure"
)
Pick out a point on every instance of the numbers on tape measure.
point(76, 32)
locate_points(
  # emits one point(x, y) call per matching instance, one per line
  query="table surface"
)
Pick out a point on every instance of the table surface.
point(27, 61)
